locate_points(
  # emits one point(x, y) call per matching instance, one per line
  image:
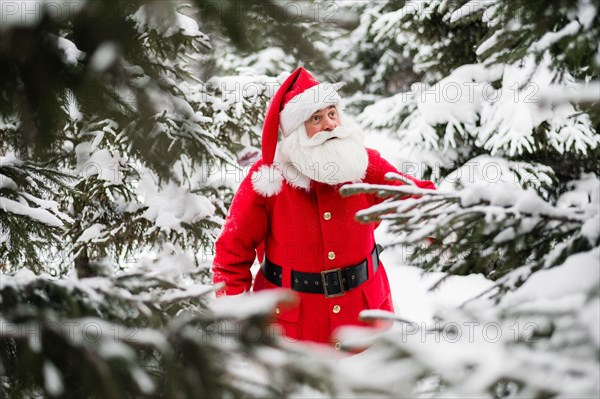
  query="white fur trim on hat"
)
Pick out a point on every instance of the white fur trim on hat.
point(301, 107)
point(267, 180)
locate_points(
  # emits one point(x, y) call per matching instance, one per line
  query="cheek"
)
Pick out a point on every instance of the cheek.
point(311, 130)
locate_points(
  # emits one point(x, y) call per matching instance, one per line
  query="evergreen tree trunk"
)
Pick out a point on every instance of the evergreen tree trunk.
point(82, 265)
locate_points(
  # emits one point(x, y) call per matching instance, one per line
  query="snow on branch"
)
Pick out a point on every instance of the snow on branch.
point(490, 229)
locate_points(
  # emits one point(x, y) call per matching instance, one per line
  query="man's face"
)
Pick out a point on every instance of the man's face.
point(312, 152)
point(324, 120)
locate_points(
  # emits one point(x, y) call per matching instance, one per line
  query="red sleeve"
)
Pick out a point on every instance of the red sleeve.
point(378, 167)
point(244, 230)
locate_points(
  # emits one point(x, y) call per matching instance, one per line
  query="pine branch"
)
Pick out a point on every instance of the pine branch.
point(30, 220)
point(475, 230)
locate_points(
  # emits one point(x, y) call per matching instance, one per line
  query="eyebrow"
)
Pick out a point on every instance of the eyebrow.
point(324, 109)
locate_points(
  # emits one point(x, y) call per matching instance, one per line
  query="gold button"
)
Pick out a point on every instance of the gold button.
point(338, 345)
point(331, 255)
point(336, 309)
point(277, 310)
point(327, 215)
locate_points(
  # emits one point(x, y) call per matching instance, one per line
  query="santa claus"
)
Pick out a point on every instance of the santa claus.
point(289, 206)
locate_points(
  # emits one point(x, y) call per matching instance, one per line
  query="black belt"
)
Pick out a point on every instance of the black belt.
point(331, 283)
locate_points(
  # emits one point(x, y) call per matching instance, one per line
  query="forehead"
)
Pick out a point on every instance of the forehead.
point(326, 109)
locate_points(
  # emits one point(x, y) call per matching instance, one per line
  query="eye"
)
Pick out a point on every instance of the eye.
point(316, 118)
point(332, 114)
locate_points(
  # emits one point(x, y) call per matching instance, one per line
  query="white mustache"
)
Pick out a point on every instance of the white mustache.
point(321, 137)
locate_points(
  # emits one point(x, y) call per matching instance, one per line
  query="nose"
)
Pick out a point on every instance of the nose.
point(329, 124)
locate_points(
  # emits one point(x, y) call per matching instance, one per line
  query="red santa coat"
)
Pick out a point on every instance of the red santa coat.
point(301, 229)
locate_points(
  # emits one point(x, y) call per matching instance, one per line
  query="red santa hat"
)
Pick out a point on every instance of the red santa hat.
point(298, 97)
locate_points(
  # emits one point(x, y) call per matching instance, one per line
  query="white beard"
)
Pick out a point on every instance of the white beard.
point(341, 159)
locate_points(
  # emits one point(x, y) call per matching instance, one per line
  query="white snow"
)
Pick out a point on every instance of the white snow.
point(591, 229)
point(414, 302)
point(49, 205)
point(94, 233)
point(467, 9)
point(458, 97)
point(489, 42)
point(52, 379)
point(171, 205)
point(170, 262)
point(233, 89)
point(572, 199)
point(22, 276)
point(178, 294)
point(549, 38)
point(410, 159)
point(586, 13)
point(488, 171)
point(74, 114)
point(416, 141)
point(250, 303)
point(103, 165)
point(163, 19)
point(267, 62)
point(579, 274)
point(187, 25)
point(109, 348)
point(7, 183)
point(71, 54)
point(99, 163)
point(38, 214)
point(501, 121)
point(143, 380)
point(105, 56)
point(410, 285)
point(590, 317)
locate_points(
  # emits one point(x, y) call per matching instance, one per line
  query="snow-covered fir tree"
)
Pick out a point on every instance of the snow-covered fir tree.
point(504, 116)
point(487, 121)
point(122, 133)
point(99, 121)
point(113, 154)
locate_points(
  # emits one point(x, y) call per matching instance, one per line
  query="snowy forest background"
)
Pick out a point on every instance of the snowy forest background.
point(126, 126)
